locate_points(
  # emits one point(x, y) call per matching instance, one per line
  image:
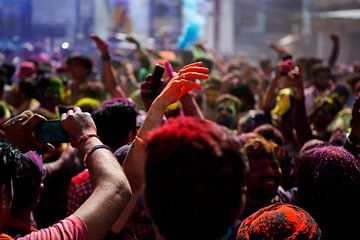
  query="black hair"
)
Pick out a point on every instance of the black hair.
point(114, 120)
point(83, 60)
point(328, 180)
point(9, 162)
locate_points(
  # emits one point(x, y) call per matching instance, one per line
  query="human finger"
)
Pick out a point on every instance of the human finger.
point(194, 75)
point(34, 120)
point(77, 109)
point(196, 69)
point(195, 64)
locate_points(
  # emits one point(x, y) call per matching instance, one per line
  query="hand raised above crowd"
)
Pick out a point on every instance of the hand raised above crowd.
point(182, 83)
point(100, 44)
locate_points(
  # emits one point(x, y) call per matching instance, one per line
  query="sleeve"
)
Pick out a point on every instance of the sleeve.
point(71, 228)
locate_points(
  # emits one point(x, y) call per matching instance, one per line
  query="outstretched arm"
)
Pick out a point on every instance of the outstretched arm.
point(111, 85)
point(135, 159)
point(111, 188)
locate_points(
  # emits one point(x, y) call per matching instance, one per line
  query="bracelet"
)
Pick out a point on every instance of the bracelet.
point(85, 137)
point(105, 57)
point(93, 149)
point(142, 141)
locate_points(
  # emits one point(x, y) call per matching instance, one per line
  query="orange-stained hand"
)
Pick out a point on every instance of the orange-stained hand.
point(100, 44)
point(183, 82)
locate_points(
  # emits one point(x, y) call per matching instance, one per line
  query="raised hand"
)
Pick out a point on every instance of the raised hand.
point(76, 124)
point(100, 44)
point(183, 82)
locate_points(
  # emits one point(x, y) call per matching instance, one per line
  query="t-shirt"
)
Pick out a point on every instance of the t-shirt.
point(71, 228)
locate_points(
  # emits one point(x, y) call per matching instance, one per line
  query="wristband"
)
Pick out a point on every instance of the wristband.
point(142, 141)
point(85, 137)
point(93, 149)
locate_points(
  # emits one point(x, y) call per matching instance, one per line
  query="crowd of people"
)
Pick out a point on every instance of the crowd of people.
point(177, 145)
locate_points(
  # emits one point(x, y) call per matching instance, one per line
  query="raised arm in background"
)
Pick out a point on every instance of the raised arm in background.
point(300, 119)
point(335, 50)
point(111, 85)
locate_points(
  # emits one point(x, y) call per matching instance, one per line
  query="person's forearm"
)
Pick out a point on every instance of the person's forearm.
point(190, 107)
point(135, 159)
point(110, 81)
point(111, 193)
point(301, 122)
point(269, 97)
point(334, 54)
point(134, 163)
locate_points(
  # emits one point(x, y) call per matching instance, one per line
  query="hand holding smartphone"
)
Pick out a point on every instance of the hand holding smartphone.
point(51, 131)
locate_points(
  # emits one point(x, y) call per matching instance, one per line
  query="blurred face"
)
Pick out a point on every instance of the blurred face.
point(322, 80)
point(226, 113)
point(77, 71)
point(263, 178)
point(210, 96)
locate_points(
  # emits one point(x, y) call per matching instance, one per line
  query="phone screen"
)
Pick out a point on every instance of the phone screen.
point(51, 132)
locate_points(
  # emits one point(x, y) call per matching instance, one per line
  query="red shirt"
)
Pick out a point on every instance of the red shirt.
point(71, 228)
point(80, 189)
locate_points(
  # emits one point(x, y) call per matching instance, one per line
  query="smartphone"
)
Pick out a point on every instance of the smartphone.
point(158, 72)
point(51, 132)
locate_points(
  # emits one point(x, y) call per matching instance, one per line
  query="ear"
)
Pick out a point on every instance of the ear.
point(40, 190)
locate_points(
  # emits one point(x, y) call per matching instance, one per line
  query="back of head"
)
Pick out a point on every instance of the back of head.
point(279, 221)
point(27, 182)
point(83, 61)
point(269, 132)
point(9, 165)
point(328, 179)
point(9, 161)
point(194, 177)
point(114, 120)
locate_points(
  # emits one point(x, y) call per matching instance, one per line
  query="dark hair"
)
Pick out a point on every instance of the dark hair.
point(260, 148)
point(194, 177)
point(27, 181)
point(27, 88)
point(269, 132)
point(243, 92)
point(328, 179)
point(83, 60)
point(10, 71)
point(114, 120)
point(9, 162)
